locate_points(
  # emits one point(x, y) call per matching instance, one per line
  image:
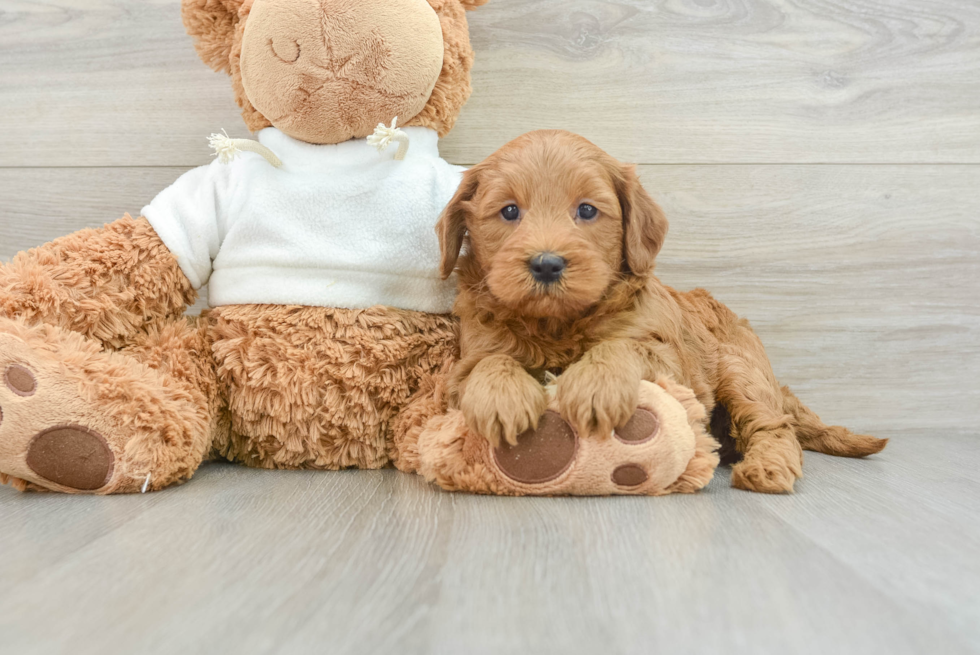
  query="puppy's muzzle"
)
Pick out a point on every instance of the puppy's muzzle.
point(547, 267)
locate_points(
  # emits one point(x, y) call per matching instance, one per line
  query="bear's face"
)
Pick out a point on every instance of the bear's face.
point(325, 71)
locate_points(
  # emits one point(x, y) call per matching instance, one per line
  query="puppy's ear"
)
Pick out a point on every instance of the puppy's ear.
point(452, 223)
point(212, 23)
point(644, 223)
point(470, 5)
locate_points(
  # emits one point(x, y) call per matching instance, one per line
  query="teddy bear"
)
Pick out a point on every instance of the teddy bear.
point(318, 251)
point(328, 337)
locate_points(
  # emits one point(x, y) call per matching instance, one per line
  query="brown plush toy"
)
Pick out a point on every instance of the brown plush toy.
point(317, 246)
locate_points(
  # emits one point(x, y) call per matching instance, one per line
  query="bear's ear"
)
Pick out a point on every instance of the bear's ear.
point(453, 87)
point(212, 23)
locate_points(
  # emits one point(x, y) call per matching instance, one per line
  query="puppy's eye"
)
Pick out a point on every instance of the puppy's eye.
point(510, 213)
point(587, 212)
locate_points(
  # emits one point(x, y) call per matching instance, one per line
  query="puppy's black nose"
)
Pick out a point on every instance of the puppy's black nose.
point(547, 267)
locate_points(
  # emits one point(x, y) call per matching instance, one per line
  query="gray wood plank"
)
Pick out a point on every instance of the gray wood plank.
point(366, 562)
point(861, 514)
point(862, 280)
point(106, 82)
point(117, 83)
point(41, 204)
point(733, 81)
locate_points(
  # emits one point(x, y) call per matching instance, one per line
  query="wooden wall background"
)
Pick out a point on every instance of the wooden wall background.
point(819, 160)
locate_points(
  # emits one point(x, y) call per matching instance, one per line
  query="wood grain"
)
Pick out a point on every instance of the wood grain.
point(863, 281)
point(862, 276)
point(117, 82)
point(240, 560)
point(695, 81)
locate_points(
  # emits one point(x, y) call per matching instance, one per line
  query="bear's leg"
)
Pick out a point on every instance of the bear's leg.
point(77, 418)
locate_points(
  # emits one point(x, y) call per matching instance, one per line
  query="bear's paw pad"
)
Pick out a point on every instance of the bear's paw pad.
point(72, 456)
point(641, 428)
point(540, 455)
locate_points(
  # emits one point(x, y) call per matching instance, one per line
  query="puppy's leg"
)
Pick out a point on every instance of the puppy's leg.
point(763, 430)
point(500, 400)
point(601, 391)
point(816, 435)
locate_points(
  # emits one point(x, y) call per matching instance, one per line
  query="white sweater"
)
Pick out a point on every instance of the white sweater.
point(337, 226)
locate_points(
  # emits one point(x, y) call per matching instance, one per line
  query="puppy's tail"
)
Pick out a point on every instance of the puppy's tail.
point(815, 435)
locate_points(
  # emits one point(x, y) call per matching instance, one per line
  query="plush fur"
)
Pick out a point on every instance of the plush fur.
point(105, 284)
point(96, 317)
point(219, 28)
point(313, 387)
point(329, 72)
point(608, 323)
point(155, 403)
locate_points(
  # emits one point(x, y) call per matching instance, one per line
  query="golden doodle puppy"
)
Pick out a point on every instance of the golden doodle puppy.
point(558, 243)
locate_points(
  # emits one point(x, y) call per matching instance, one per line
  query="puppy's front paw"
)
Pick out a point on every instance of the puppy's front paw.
point(595, 399)
point(503, 407)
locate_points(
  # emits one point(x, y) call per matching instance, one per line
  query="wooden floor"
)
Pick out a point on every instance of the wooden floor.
point(876, 556)
point(820, 165)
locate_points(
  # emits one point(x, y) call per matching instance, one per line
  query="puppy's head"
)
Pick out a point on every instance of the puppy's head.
point(552, 222)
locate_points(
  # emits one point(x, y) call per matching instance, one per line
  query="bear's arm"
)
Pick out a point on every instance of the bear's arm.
point(105, 283)
point(112, 282)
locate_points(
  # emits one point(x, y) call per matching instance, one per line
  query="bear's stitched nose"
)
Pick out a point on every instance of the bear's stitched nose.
point(547, 267)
